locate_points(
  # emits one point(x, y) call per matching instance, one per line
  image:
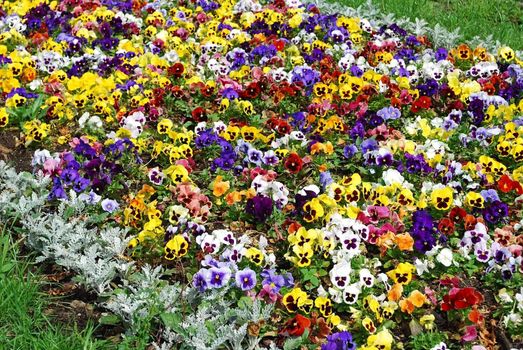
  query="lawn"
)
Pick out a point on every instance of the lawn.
point(503, 19)
point(24, 308)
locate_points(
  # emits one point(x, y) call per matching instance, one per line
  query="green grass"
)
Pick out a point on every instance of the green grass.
point(501, 18)
point(23, 323)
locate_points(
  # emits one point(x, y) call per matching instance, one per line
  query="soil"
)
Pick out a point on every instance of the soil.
point(73, 306)
point(12, 153)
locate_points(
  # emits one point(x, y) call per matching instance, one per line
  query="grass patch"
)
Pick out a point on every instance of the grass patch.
point(503, 18)
point(23, 323)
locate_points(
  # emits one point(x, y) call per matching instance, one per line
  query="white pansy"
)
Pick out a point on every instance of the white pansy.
point(35, 84)
point(336, 295)
point(366, 278)
point(40, 156)
point(422, 266)
point(351, 294)
point(340, 274)
point(445, 257)
point(504, 296)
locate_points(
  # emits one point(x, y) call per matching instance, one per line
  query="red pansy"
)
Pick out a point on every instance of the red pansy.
point(293, 163)
point(446, 226)
point(199, 114)
point(457, 214)
point(506, 184)
point(461, 298)
point(296, 327)
point(176, 70)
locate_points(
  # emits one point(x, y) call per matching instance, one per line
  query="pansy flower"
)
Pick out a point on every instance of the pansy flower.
point(176, 247)
point(245, 279)
point(402, 274)
point(219, 276)
point(293, 163)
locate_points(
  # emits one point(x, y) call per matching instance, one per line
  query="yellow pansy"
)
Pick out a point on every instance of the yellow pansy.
point(313, 210)
point(177, 212)
point(4, 117)
point(402, 274)
point(303, 254)
point(302, 236)
point(15, 101)
point(255, 255)
point(297, 299)
point(324, 304)
point(176, 247)
point(475, 200)
point(442, 198)
point(178, 173)
point(506, 53)
point(381, 340)
point(249, 133)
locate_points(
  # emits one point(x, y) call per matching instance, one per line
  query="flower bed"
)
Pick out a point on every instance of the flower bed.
point(244, 175)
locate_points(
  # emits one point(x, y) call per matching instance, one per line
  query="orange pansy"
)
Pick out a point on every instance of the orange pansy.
point(404, 241)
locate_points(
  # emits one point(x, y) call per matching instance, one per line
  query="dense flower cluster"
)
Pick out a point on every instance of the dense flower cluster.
point(362, 180)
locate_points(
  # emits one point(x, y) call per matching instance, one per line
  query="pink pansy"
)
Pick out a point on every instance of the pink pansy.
point(185, 193)
point(227, 83)
point(182, 33)
point(201, 17)
point(405, 97)
point(516, 250)
point(471, 333)
point(431, 295)
point(98, 147)
point(387, 227)
point(257, 73)
point(376, 213)
point(363, 109)
point(363, 218)
point(74, 142)
point(396, 222)
point(381, 130)
point(502, 236)
point(374, 234)
point(268, 175)
point(51, 166)
point(267, 292)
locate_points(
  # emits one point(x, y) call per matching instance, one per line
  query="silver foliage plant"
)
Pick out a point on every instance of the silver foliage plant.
point(70, 237)
point(213, 322)
point(192, 320)
point(66, 236)
point(440, 36)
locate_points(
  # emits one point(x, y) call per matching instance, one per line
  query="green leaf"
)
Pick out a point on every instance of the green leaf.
point(210, 327)
point(109, 320)
point(6, 267)
point(245, 302)
point(171, 320)
point(315, 281)
point(292, 343)
point(322, 273)
point(69, 211)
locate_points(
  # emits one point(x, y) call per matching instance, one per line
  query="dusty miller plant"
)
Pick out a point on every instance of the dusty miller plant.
point(213, 322)
point(439, 35)
point(66, 235)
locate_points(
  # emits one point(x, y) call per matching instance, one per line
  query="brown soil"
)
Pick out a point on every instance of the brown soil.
point(73, 306)
point(11, 151)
